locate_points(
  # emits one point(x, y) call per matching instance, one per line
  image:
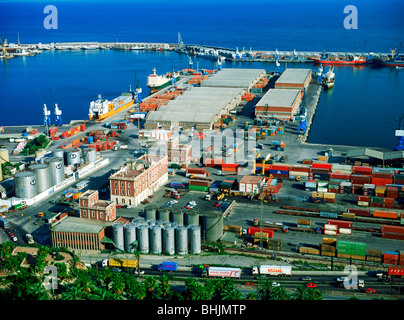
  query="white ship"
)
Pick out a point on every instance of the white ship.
point(156, 82)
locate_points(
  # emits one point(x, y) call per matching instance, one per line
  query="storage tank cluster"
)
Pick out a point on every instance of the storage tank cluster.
point(77, 156)
point(156, 237)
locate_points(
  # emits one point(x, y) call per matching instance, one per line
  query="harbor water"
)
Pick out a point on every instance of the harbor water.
point(362, 109)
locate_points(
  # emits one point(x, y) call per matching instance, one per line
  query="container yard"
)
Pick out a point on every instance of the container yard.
point(263, 189)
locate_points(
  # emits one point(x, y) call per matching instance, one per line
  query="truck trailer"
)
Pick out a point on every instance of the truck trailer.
point(167, 266)
point(271, 270)
point(121, 263)
point(221, 272)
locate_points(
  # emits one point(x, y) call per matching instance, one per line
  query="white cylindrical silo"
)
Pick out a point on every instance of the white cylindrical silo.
point(130, 237)
point(142, 236)
point(156, 240)
point(194, 236)
point(169, 240)
point(117, 236)
point(181, 240)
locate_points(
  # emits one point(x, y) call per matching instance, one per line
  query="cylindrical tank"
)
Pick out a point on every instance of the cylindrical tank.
point(43, 176)
point(181, 240)
point(56, 169)
point(89, 155)
point(150, 213)
point(169, 240)
point(72, 156)
point(192, 219)
point(213, 226)
point(130, 237)
point(156, 240)
point(143, 238)
point(117, 236)
point(178, 217)
point(4, 156)
point(164, 215)
point(58, 153)
point(194, 236)
point(25, 185)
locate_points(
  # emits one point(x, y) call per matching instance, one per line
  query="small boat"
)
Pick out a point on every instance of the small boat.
point(329, 78)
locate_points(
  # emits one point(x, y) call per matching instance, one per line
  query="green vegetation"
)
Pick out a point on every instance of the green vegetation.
point(40, 142)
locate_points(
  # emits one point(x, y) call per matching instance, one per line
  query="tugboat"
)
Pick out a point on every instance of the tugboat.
point(329, 78)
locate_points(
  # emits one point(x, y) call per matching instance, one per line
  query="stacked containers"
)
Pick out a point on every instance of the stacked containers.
point(382, 176)
point(374, 255)
point(391, 257)
point(350, 249)
point(279, 171)
point(392, 232)
point(343, 227)
point(198, 185)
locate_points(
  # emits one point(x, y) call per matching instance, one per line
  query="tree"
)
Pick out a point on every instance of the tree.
point(303, 293)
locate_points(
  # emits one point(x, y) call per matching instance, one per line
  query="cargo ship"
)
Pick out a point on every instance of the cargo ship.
point(156, 82)
point(351, 60)
point(101, 109)
point(393, 60)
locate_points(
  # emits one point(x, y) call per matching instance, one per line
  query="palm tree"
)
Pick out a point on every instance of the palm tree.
point(303, 293)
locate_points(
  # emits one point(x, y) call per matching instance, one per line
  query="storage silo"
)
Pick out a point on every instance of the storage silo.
point(58, 153)
point(150, 213)
point(169, 240)
point(25, 185)
point(181, 240)
point(42, 175)
point(192, 219)
point(117, 236)
point(56, 169)
point(164, 215)
point(89, 155)
point(178, 217)
point(194, 236)
point(213, 226)
point(143, 238)
point(156, 240)
point(72, 157)
point(130, 237)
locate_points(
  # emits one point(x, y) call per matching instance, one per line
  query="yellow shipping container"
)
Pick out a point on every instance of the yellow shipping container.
point(317, 194)
point(330, 241)
point(329, 195)
point(322, 158)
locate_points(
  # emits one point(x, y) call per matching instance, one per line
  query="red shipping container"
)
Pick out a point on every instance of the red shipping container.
point(342, 176)
point(362, 170)
point(280, 167)
point(300, 168)
point(391, 229)
point(364, 198)
point(382, 181)
point(360, 212)
point(361, 179)
point(396, 236)
point(341, 223)
point(252, 230)
point(321, 166)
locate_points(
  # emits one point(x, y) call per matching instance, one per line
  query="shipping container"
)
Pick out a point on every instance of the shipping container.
point(271, 270)
point(221, 272)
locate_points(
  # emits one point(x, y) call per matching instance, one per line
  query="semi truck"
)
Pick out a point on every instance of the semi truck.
point(4, 223)
point(271, 270)
point(221, 272)
point(121, 263)
point(167, 266)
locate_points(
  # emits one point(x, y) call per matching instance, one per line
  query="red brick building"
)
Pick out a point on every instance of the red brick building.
point(91, 207)
point(138, 179)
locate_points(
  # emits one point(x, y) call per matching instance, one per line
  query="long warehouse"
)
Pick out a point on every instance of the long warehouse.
point(294, 79)
point(201, 107)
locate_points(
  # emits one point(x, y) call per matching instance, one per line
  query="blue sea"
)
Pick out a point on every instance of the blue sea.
point(362, 109)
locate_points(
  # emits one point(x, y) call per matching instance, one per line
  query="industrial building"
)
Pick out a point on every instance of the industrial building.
point(294, 79)
point(279, 104)
point(139, 179)
point(201, 107)
point(251, 184)
point(178, 153)
point(91, 207)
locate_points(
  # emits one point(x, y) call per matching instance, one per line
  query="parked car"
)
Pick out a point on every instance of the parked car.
point(311, 285)
point(370, 290)
point(306, 278)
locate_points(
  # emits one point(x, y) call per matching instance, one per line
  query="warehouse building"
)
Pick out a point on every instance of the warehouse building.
point(251, 184)
point(139, 179)
point(294, 79)
point(75, 233)
point(201, 107)
point(235, 78)
point(279, 104)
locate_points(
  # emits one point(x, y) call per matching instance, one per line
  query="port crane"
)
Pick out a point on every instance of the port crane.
point(219, 64)
point(138, 89)
point(46, 112)
point(396, 52)
point(400, 134)
point(57, 111)
point(181, 46)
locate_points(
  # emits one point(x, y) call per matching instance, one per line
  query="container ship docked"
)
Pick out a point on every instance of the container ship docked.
point(156, 82)
point(326, 60)
point(101, 109)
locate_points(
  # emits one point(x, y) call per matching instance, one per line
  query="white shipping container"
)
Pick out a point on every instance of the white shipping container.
point(363, 204)
point(330, 232)
point(298, 173)
point(345, 231)
point(272, 270)
point(330, 227)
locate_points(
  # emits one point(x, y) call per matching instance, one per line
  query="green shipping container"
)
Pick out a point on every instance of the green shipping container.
point(376, 199)
point(198, 188)
point(353, 248)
